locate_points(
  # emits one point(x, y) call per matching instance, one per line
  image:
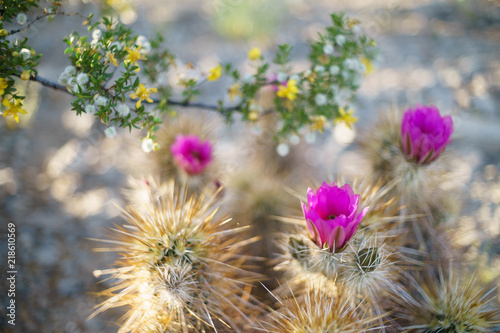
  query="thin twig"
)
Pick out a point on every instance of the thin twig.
point(54, 85)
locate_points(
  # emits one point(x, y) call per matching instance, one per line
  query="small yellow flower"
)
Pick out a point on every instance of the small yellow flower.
point(253, 115)
point(368, 65)
point(143, 94)
point(318, 123)
point(254, 53)
point(215, 73)
point(13, 109)
point(110, 57)
point(3, 85)
point(346, 117)
point(289, 91)
point(234, 91)
point(133, 56)
point(25, 75)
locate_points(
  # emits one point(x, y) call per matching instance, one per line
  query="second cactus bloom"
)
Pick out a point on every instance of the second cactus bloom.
point(425, 133)
point(191, 153)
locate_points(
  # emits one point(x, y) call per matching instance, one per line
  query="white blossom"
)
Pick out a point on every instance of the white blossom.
point(319, 69)
point(328, 49)
point(101, 101)
point(340, 40)
point(295, 77)
point(320, 99)
point(70, 70)
point(82, 79)
point(71, 81)
point(283, 149)
point(147, 145)
point(63, 78)
point(96, 35)
point(25, 54)
point(90, 109)
point(122, 109)
point(21, 18)
point(334, 70)
point(110, 132)
point(354, 64)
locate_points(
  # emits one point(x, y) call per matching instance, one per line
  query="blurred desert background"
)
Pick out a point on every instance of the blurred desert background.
point(61, 178)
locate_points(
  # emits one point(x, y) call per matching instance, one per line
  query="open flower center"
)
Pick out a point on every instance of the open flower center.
point(331, 217)
point(196, 155)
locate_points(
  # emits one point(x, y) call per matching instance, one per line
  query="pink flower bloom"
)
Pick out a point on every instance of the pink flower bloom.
point(425, 134)
point(191, 154)
point(332, 216)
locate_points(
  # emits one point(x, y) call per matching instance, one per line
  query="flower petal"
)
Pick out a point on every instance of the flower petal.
point(337, 238)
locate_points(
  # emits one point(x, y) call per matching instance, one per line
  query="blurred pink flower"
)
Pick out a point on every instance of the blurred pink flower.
point(191, 154)
point(332, 216)
point(425, 133)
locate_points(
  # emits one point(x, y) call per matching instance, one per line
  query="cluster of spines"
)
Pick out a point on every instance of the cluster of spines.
point(179, 267)
point(317, 311)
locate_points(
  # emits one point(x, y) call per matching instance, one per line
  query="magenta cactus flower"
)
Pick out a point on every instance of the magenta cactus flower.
point(191, 153)
point(425, 133)
point(332, 215)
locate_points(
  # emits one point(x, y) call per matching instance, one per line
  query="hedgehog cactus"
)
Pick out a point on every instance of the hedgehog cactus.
point(179, 269)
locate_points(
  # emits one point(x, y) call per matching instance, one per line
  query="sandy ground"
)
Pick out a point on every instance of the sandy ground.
point(60, 177)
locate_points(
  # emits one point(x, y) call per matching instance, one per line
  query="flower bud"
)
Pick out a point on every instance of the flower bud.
point(425, 134)
point(15, 54)
point(298, 249)
point(25, 75)
point(3, 32)
point(368, 259)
